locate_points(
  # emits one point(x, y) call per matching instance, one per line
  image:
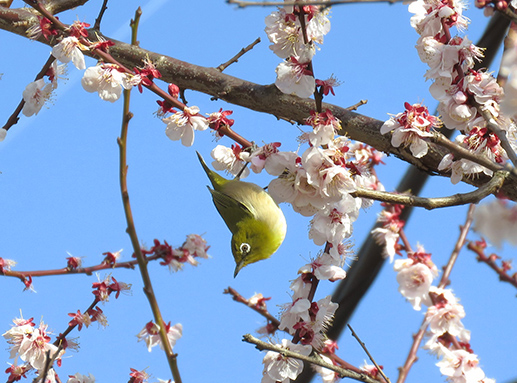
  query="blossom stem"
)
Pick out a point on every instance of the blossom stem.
point(489, 260)
point(459, 244)
point(59, 341)
point(239, 298)
point(318, 97)
point(405, 241)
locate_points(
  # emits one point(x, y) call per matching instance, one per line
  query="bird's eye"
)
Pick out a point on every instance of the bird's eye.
point(245, 248)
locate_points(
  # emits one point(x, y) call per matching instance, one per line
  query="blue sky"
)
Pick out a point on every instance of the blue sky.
point(60, 193)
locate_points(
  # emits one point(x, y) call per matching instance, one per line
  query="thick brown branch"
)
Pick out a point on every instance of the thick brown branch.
point(261, 98)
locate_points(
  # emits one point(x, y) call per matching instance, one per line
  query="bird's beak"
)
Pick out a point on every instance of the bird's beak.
point(238, 268)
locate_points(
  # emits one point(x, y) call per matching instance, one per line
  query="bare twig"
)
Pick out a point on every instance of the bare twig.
point(357, 105)
point(459, 244)
point(369, 355)
point(98, 20)
point(475, 196)
point(235, 58)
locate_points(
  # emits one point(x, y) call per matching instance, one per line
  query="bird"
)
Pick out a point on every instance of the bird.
point(257, 223)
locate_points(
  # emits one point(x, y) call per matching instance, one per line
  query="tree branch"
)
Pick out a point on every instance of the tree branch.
point(261, 98)
point(344, 373)
point(490, 187)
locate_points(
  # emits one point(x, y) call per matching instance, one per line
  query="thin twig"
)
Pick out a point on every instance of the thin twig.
point(235, 58)
point(357, 105)
point(491, 187)
point(103, 9)
point(368, 353)
point(457, 248)
point(134, 27)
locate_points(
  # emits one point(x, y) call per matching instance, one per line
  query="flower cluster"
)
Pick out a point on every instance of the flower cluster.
point(193, 247)
point(449, 340)
point(293, 32)
point(447, 337)
point(462, 92)
point(31, 344)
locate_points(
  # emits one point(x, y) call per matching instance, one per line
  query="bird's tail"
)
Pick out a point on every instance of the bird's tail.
point(216, 180)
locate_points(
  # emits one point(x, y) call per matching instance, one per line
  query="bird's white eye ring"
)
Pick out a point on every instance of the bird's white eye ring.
point(245, 248)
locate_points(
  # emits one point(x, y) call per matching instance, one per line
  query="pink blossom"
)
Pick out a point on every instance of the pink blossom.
point(6, 264)
point(293, 313)
point(151, 334)
point(327, 173)
point(410, 127)
point(263, 155)
point(107, 80)
point(278, 368)
point(232, 160)
point(324, 268)
point(196, 245)
point(138, 376)
point(460, 366)
point(294, 77)
point(415, 276)
point(69, 49)
point(181, 125)
point(35, 95)
point(79, 378)
point(334, 222)
point(324, 125)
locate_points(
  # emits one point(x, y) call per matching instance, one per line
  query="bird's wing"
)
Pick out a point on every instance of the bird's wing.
point(230, 209)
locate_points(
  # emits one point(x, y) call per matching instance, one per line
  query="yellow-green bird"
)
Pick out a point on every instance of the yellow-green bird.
point(255, 220)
